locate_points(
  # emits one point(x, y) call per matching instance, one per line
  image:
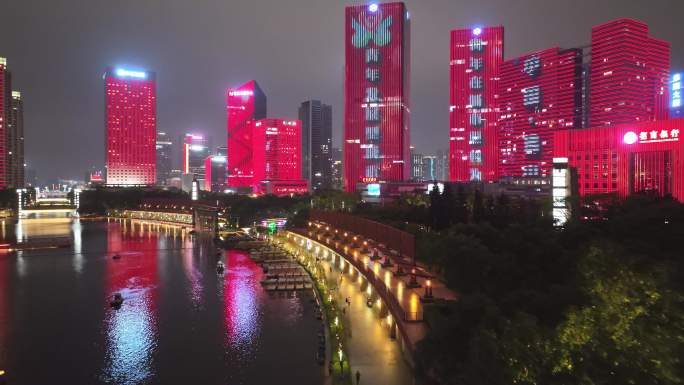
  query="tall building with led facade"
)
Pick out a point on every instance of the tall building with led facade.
point(277, 157)
point(15, 142)
point(196, 149)
point(539, 94)
point(245, 104)
point(130, 127)
point(476, 55)
point(215, 173)
point(629, 74)
point(376, 121)
point(316, 118)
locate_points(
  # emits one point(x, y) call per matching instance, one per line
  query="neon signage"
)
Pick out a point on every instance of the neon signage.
point(124, 73)
point(241, 93)
point(374, 189)
point(676, 89)
point(653, 136)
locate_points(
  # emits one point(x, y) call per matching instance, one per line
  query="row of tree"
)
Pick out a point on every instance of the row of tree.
point(599, 302)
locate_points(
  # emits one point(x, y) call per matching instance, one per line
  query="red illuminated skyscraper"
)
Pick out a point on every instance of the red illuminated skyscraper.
point(476, 55)
point(629, 74)
point(130, 127)
point(539, 93)
point(277, 154)
point(376, 121)
point(245, 104)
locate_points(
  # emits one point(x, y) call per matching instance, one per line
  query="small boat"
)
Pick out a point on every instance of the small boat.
point(117, 301)
point(220, 267)
point(116, 256)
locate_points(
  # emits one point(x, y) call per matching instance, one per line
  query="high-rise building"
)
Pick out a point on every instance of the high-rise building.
point(442, 165)
point(222, 151)
point(5, 110)
point(430, 168)
point(376, 114)
point(476, 56)
point(130, 127)
point(196, 149)
point(316, 118)
point(629, 74)
point(416, 165)
point(337, 171)
point(164, 156)
point(277, 157)
point(215, 173)
point(245, 104)
point(540, 93)
point(15, 142)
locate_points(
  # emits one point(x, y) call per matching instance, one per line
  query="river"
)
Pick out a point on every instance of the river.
point(181, 322)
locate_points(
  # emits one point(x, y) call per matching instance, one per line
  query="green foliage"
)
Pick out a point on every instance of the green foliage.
point(598, 303)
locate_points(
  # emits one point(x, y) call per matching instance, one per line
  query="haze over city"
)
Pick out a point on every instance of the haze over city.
point(318, 192)
point(59, 50)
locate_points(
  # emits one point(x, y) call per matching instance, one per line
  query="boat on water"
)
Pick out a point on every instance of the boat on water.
point(117, 301)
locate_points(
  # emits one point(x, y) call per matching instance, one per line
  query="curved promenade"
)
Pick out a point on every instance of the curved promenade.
point(387, 280)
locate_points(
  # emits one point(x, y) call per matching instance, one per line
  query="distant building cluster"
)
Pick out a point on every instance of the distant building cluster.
point(606, 116)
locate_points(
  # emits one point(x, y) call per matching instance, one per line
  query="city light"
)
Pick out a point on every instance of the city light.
point(373, 7)
point(676, 89)
point(477, 31)
point(124, 73)
point(241, 93)
point(630, 137)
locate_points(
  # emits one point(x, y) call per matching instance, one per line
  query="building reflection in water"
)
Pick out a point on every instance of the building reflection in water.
point(192, 272)
point(4, 308)
point(131, 330)
point(240, 293)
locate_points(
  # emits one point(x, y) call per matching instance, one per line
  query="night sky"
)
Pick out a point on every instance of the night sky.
point(58, 50)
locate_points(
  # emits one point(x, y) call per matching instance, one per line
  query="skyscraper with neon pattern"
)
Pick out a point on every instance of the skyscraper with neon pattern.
point(130, 127)
point(376, 88)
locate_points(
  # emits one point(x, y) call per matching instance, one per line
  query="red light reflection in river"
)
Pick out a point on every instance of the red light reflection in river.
point(131, 330)
point(241, 299)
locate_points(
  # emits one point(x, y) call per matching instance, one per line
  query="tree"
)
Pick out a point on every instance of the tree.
point(478, 207)
point(630, 332)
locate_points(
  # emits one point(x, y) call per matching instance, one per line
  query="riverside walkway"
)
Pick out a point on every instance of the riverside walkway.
point(387, 292)
point(371, 349)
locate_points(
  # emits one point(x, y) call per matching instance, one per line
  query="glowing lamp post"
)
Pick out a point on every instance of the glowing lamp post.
point(413, 282)
point(428, 289)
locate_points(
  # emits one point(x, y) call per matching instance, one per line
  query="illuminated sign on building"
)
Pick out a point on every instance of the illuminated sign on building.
point(653, 136)
point(124, 73)
point(241, 93)
point(373, 189)
point(676, 89)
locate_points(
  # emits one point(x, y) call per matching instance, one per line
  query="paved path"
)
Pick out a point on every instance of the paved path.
point(377, 357)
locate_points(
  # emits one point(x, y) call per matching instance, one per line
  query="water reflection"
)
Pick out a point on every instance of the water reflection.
point(131, 330)
point(4, 309)
point(241, 302)
point(192, 272)
point(76, 230)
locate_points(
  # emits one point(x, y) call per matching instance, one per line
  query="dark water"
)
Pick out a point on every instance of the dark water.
point(181, 322)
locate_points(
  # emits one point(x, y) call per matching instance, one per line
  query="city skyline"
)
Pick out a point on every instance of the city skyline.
point(76, 71)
